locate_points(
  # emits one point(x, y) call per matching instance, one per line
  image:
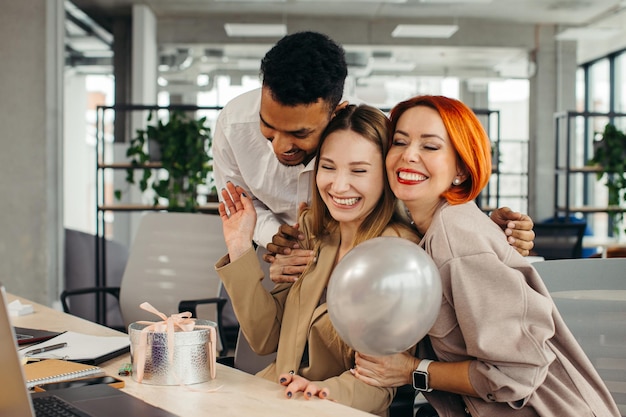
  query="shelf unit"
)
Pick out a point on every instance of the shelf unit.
point(489, 198)
point(573, 179)
point(105, 115)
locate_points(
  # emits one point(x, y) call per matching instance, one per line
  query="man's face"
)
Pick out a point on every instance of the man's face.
point(293, 130)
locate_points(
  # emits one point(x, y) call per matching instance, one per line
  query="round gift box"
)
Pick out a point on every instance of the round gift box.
point(190, 365)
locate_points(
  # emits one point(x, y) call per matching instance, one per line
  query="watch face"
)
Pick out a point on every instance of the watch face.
point(420, 380)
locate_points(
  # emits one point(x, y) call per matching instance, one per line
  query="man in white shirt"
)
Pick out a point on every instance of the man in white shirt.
point(265, 140)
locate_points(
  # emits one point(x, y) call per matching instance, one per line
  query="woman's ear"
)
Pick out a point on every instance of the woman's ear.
point(459, 179)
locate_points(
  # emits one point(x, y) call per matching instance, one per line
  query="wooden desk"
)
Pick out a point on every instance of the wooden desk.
point(241, 394)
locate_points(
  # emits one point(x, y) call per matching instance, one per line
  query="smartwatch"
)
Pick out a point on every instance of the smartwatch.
point(420, 376)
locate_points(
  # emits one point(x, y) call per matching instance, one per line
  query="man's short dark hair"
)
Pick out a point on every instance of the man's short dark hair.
point(304, 67)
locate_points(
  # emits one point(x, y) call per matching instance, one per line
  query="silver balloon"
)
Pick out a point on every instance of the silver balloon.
point(384, 296)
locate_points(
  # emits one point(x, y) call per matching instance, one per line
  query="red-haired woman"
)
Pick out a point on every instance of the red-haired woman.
point(499, 347)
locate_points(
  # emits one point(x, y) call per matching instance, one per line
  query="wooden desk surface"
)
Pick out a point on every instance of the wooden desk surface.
point(241, 394)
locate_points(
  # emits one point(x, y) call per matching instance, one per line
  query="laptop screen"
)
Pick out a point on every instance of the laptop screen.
point(14, 397)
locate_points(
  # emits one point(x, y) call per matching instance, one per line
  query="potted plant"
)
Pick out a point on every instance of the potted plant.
point(183, 145)
point(609, 154)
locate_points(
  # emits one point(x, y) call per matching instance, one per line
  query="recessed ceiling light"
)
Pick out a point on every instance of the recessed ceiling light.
point(587, 34)
point(259, 30)
point(424, 31)
point(455, 1)
point(361, 1)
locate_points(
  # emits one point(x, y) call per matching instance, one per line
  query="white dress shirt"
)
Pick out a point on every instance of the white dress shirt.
point(242, 155)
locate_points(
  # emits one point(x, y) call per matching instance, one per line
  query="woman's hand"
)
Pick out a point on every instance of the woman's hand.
point(517, 227)
point(288, 268)
point(297, 383)
point(385, 371)
point(238, 220)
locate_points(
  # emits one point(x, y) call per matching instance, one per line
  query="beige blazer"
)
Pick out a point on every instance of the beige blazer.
point(290, 319)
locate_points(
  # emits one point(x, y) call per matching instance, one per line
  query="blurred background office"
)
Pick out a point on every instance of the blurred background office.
point(520, 61)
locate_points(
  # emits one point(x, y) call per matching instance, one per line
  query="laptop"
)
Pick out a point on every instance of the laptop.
point(90, 401)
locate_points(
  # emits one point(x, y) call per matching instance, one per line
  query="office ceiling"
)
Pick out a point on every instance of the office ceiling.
point(495, 38)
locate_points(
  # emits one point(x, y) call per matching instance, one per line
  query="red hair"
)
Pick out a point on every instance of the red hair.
point(468, 137)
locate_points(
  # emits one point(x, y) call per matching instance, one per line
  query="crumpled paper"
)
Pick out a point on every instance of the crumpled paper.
point(16, 308)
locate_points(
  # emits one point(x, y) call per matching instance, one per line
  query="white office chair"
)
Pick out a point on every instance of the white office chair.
point(591, 296)
point(170, 265)
point(171, 260)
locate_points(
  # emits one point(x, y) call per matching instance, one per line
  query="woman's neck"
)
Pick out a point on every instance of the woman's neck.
point(347, 233)
point(422, 213)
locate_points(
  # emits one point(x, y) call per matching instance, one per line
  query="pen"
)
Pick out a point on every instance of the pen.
point(46, 349)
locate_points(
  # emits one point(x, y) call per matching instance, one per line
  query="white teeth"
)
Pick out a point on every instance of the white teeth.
point(409, 176)
point(346, 201)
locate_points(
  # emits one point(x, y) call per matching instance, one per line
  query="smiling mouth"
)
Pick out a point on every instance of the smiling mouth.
point(346, 201)
point(291, 157)
point(411, 176)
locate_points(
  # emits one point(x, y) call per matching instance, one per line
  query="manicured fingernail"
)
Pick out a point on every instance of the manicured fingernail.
point(308, 394)
point(352, 371)
point(244, 195)
point(323, 394)
point(289, 394)
point(283, 380)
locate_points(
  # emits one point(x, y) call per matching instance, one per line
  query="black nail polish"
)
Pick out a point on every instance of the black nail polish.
point(308, 394)
point(289, 394)
point(282, 380)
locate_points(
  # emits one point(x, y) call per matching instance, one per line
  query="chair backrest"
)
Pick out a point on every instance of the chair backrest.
point(80, 272)
point(591, 297)
point(171, 259)
point(559, 240)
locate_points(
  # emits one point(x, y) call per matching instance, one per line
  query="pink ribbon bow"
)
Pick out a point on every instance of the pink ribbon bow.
point(182, 321)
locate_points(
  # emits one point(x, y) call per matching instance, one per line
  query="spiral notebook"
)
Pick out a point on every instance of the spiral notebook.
point(57, 370)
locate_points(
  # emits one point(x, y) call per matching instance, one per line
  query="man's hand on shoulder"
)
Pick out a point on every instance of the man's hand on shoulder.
point(287, 238)
point(517, 227)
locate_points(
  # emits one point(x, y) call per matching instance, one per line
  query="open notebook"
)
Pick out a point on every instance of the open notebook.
point(83, 348)
point(88, 401)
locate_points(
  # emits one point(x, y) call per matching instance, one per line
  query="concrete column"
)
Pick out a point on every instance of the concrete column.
point(474, 94)
point(552, 89)
point(31, 180)
point(143, 90)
